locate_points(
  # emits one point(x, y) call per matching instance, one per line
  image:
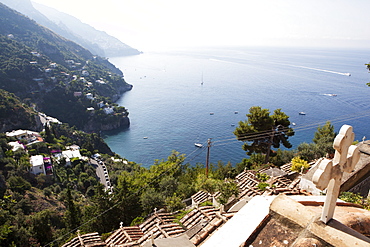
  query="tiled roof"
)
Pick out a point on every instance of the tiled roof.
point(200, 197)
point(282, 183)
point(159, 225)
point(202, 221)
point(124, 236)
point(86, 240)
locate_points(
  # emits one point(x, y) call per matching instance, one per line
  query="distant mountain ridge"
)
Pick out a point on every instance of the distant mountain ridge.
point(98, 42)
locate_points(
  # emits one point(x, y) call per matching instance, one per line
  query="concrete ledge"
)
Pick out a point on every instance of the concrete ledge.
point(292, 210)
point(337, 234)
point(334, 233)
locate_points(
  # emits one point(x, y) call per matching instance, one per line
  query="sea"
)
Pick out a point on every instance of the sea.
point(187, 96)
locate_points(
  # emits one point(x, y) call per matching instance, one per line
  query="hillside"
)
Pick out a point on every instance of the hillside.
point(16, 115)
point(98, 42)
point(58, 76)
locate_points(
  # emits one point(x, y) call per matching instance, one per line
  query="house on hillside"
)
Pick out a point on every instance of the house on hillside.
point(89, 96)
point(108, 110)
point(77, 94)
point(90, 110)
point(28, 136)
point(37, 164)
point(35, 53)
point(101, 104)
point(16, 145)
point(40, 165)
point(72, 153)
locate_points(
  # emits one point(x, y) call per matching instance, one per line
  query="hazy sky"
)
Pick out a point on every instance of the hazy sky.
point(148, 24)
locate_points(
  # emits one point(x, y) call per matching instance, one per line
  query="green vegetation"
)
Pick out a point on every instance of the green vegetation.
point(321, 146)
point(299, 165)
point(14, 113)
point(262, 186)
point(262, 177)
point(355, 198)
point(264, 131)
point(37, 210)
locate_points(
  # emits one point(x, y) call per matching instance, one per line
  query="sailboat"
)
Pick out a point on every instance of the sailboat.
point(202, 80)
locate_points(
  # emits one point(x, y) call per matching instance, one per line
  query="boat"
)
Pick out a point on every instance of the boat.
point(145, 137)
point(293, 124)
point(198, 145)
point(330, 94)
point(347, 74)
point(236, 112)
point(302, 113)
point(211, 113)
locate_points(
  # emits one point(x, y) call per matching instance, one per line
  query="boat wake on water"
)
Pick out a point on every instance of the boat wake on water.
point(323, 70)
point(296, 66)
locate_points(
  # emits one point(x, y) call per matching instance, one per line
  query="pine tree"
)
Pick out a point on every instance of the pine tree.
point(262, 131)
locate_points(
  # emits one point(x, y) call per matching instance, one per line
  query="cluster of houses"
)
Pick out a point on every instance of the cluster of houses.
point(70, 63)
point(84, 72)
point(108, 109)
point(39, 163)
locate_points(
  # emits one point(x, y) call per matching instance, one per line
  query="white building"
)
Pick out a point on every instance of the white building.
point(16, 145)
point(101, 104)
point(89, 96)
point(70, 154)
point(108, 110)
point(29, 136)
point(37, 162)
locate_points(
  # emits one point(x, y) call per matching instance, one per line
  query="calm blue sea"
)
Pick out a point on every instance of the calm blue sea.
point(170, 108)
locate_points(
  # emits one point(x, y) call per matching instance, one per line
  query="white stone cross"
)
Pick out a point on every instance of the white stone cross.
point(329, 173)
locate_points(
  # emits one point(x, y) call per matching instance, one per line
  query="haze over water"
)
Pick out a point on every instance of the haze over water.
point(170, 108)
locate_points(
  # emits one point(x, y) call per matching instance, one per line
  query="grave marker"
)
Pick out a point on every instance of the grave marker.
point(329, 173)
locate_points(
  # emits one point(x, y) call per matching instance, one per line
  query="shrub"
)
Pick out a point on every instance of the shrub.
point(262, 177)
point(262, 186)
point(18, 184)
point(299, 165)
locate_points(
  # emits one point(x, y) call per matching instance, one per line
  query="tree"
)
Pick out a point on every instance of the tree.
point(151, 199)
point(49, 136)
point(324, 138)
point(227, 189)
point(308, 151)
point(72, 215)
point(262, 130)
